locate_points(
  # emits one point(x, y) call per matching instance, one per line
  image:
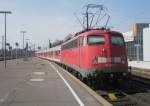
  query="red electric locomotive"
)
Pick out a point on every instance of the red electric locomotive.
point(96, 53)
point(93, 54)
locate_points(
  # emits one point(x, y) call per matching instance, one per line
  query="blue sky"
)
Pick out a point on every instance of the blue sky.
point(54, 19)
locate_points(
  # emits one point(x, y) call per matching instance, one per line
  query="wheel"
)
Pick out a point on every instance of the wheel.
point(85, 80)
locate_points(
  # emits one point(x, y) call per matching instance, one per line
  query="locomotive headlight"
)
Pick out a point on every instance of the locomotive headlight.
point(117, 60)
point(97, 60)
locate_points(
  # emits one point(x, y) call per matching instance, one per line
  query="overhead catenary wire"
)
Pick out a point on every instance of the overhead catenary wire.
point(92, 16)
point(79, 21)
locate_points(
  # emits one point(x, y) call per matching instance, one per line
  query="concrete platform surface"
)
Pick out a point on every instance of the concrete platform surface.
point(140, 68)
point(140, 64)
point(37, 82)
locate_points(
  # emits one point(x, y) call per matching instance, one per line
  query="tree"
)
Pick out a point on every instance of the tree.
point(50, 44)
point(17, 44)
point(10, 48)
point(39, 47)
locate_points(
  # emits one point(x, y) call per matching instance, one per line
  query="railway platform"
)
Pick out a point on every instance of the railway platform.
point(140, 68)
point(140, 64)
point(37, 82)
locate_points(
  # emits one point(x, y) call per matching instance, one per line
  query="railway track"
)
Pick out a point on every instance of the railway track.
point(140, 79)
point(132, 92)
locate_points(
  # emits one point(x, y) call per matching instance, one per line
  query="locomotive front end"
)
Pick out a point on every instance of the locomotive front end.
point(107, 55)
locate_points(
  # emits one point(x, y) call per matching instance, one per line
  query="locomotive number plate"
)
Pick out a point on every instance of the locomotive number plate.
point(117, 60)
point(101, 60)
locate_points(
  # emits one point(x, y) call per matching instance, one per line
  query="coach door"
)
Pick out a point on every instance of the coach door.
point(80, 50)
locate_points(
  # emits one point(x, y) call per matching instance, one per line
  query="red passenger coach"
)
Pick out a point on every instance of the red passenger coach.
point(94, 53)
point(52, 54)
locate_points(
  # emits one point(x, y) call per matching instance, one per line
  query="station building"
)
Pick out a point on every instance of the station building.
point(136, 42)
point(146, 44)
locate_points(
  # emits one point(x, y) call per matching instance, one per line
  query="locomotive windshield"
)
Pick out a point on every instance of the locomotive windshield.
point(117, 40)
point(96, 39)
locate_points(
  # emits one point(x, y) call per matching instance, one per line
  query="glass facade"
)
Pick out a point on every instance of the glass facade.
point(135, 48)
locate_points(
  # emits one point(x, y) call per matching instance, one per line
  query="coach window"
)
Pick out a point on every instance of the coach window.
point(70, 45)
point(96, 39)
point(75, 43)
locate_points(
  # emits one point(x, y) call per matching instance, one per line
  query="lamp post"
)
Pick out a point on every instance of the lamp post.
point(23, 32)
point(27, 45)
point(3, 47)
point(5, 12)
point(16, 44)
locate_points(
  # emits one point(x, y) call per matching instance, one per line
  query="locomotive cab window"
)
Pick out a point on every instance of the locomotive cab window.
point(117, 40)
point(96, 39)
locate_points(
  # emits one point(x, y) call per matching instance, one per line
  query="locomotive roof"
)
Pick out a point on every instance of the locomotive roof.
point(91, 31)
point(85, 33)
point(88, 32)
point(96, 31)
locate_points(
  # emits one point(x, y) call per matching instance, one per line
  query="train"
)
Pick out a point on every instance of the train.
point(91, 54)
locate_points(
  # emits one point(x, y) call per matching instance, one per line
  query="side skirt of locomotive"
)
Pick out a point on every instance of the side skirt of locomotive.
point(97, 76)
